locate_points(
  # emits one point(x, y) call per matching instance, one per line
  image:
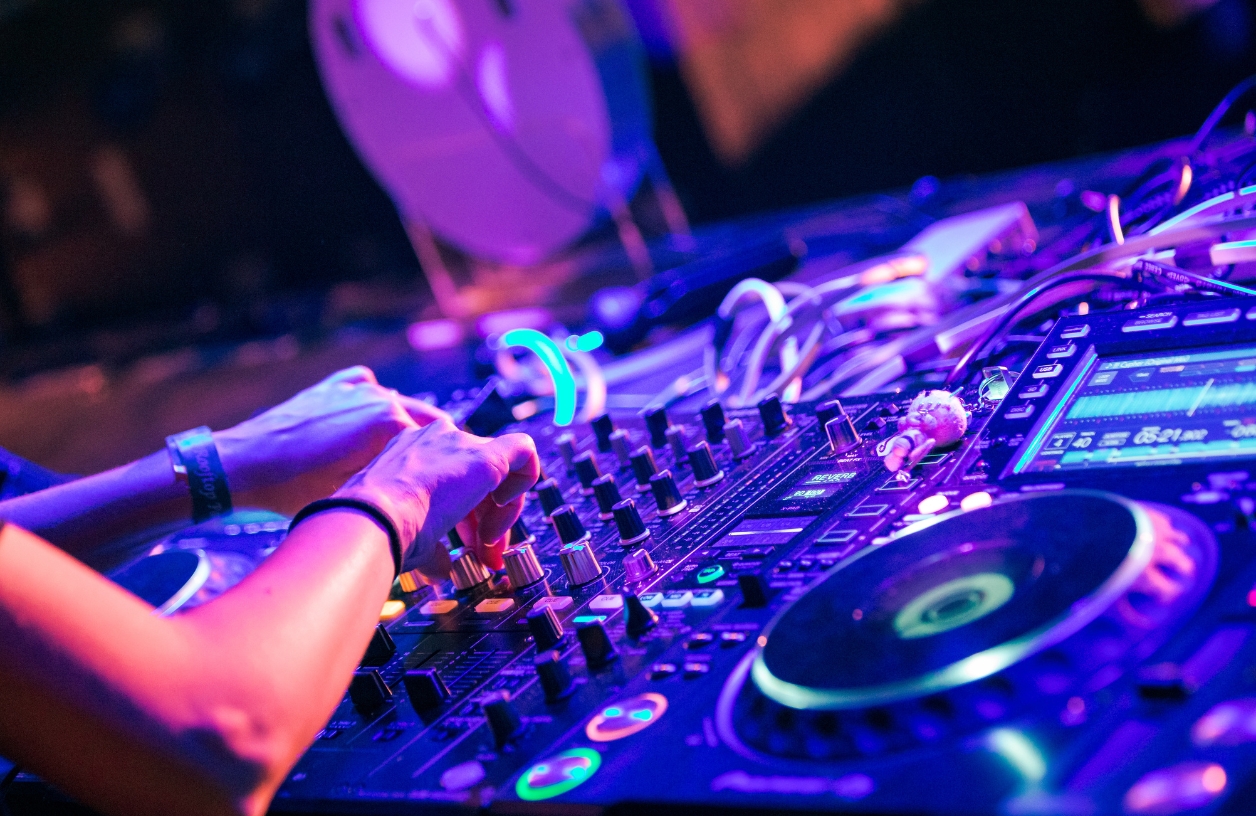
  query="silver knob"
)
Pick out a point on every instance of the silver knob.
point(639, 565)
point(621, 443)
point(467, 570)
point(580, 563)
point(738, 440)
point(522, 566)
point(842, 434)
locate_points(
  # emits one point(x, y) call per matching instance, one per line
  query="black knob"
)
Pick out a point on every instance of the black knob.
point(657, 423)
point(567, 449)
point(640, 618)
point(540, 479)
point(628, 519)
point(425, 688)
point(381, 648)
point(827, 411)
point(874, 424)
point(754, 590)
point(547, 630)
point(596, 645)
point(607, 494)
point(587, 470)
point(368, 691)
point(519, 534)
point(568, 525)
point(551, 496)
point(705, 471)
point(643, 467)
point(842, 434)
point(621, 443)
point(551, 670)
point(666, 494)
point(713, 421)
point(676, 439)
point(503, 718)
point(772, 413)
point(455, 540)
point(603, 427)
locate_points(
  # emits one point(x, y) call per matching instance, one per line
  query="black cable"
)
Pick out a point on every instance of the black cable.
point(1223, 107)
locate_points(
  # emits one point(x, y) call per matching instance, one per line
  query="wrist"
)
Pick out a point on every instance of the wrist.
point(362, 507)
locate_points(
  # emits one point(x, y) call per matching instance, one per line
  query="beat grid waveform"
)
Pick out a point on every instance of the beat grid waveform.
point(1166, 400)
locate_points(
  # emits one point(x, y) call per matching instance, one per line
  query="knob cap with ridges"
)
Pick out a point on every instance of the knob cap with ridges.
point(842, 434)
point(705, 471)
point(657, 423)
point(603, 427)
point(772, 413)
point(826, 411)
point(550, 496)
point(607, 494)
point(580, 563)
point(643, 467)
point(587, 469)
point(568, 525)
point(739, 443)
point(546, 629)
point(522, 566)
point(628, 521)
point(666, 494)
point(466, 570)
point(638, 565)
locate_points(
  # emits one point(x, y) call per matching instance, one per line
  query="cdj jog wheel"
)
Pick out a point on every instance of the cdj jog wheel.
point(959, 621)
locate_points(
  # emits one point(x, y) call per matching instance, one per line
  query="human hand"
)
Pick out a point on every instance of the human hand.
point(429, 480)
point(305, 448)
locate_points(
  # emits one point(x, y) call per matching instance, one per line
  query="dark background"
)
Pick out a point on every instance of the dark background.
point(263, 223)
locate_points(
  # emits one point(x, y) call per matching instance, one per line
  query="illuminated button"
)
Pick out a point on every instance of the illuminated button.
point(1059, 352)
point(706, 598)
point(695, 669)
point(662, 671)
point(712, 573)
point(1151, 322)
point(1035, 391)
point(555, 602)
point(626, 717)
point(607, 603)
point(558, 774)
point(1075, 332)
point(392, 610)
point(730, 639)
point(933, 504)
point(1020, 412)
point(976, 501)
point(699, 641)
point(438, 607)
point(1044, 372)
point(1185, 786)
point(495, 606)
point(1251, 313)
point(868, 510)
point(1210, 317)
point(651, 599)
point(411, 581)
point(1230, 723)
point(676, 598)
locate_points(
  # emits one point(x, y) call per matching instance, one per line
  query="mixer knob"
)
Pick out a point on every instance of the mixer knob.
point(551, 670)
point(546, 629)
point(586, 471)
point(567, 449)
point(666, 494)
point(638, 565)
point(541, 478)
point(842, 434)
point(381, 648)
point(657, 423)
point(596, 645)
point(705, 471)
point(621, 443)
point(520, 534)
point(522, 566)
point(425, 688)
point(607, 494)
point(827, 411)
point(755, 593)
point(603, 427)
point(580, 563)
point(639, 618)
point(628, 519)
point(551, 496)
point(676, 439)
point(368, 691)
point(643, 467)
point(739, 443)
point(773, 415)
point(568, 525)
point(503, 718)
point(713, 421)
point(466, 569)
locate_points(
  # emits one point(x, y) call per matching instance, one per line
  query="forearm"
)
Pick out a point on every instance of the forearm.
point(200, 713)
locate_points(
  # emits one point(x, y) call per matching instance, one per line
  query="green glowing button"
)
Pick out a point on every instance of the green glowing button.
point(557, 774)
point(712, 573)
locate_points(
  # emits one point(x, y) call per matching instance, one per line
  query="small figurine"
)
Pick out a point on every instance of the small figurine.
point(935, 419)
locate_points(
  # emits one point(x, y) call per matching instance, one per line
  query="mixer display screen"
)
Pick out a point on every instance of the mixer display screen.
point(1161, 408)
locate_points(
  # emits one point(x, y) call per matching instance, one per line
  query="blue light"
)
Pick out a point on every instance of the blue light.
point(552, 356)
point(612, 712)
point(585, 342)
point(643, 715)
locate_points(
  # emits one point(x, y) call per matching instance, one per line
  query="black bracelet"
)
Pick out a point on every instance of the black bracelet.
point(344, 503)
point(194, 457)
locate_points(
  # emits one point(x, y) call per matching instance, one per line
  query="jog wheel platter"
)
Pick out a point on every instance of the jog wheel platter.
point(960, 621)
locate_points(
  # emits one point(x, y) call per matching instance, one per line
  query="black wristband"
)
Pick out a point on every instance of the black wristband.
point(195, 458)
point(344, 503)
